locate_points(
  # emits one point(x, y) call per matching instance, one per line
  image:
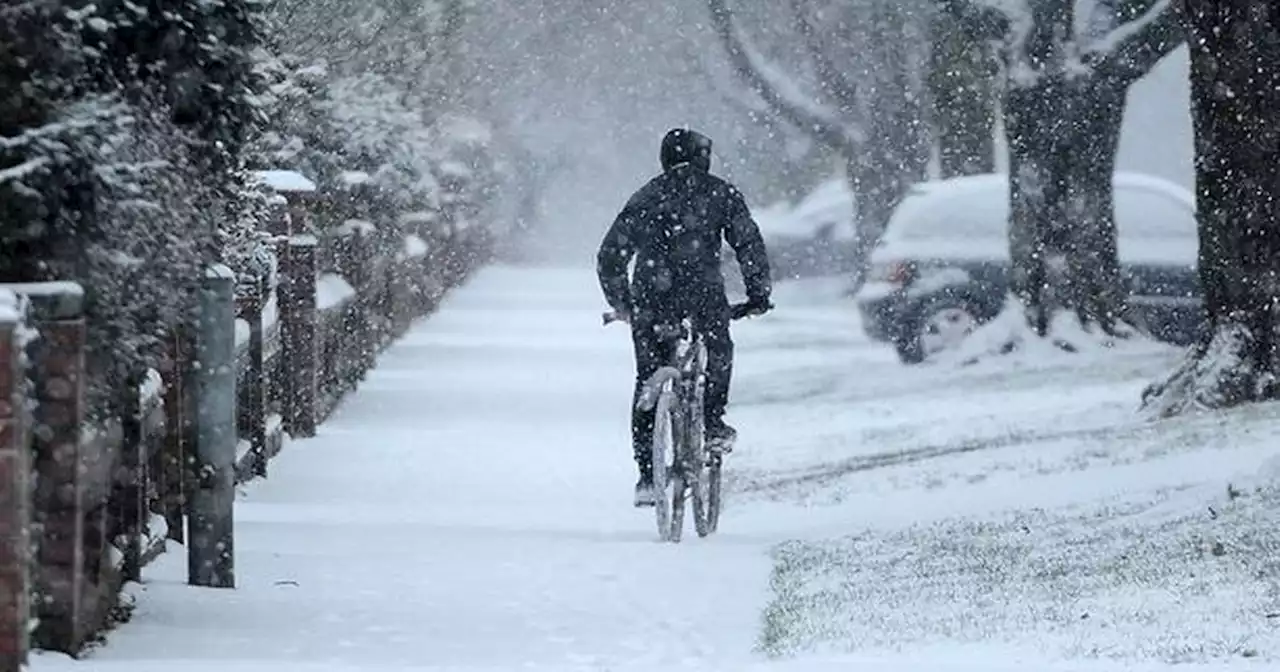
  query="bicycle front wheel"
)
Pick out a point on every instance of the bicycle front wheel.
point(664, 443)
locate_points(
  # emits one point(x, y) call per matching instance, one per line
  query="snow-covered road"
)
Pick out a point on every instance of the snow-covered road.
point(469, 507)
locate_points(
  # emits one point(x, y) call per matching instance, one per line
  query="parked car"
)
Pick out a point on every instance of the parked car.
point(815, 237)
point(943, 268)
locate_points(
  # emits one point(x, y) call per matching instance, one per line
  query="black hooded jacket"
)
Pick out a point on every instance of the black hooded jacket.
point(674, 227)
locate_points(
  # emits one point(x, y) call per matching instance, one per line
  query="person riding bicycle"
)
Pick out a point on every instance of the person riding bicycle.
point(673, 227)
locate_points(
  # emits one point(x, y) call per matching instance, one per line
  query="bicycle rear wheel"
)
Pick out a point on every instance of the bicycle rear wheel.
point(715, 462)
point(696, 461)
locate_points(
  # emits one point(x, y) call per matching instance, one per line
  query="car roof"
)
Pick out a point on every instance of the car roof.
point(925, 200)
point(975, 184)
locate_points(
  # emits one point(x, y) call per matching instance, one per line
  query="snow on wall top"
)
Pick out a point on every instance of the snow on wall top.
point(219, 272)
point(10, 308)
point(285, 180)
point(52, 288)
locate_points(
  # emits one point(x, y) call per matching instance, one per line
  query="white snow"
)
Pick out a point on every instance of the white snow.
point(285, 180)
point(10, 307)
point(419, 217)
point(354, 177)
point(219, 272)
point(468, 509)
point(454, 169)
point(414, 247)
point(269, 317)
point(22, 170)
point(332, 290)
point(51, 288)
point(242, 333)
point(152, 385)
point(270, 313)
point(352, 226)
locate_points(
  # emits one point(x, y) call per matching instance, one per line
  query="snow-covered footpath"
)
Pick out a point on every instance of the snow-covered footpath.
point(469, 509)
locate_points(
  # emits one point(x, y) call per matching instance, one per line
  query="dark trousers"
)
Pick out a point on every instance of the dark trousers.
point(652, 353)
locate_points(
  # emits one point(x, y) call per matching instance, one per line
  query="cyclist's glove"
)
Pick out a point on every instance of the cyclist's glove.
point(756, 306)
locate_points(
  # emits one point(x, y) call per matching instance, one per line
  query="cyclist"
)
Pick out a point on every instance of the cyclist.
point(673, 227)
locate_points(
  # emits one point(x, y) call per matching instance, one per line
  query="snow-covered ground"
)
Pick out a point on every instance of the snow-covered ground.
point(469, 509)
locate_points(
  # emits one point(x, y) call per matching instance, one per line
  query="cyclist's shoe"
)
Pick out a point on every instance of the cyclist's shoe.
point(645, 493)
point(720, 437)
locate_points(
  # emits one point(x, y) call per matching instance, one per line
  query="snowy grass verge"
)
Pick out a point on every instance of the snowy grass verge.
point(1176, 573)
point(1018, 507)
point(1181, 577)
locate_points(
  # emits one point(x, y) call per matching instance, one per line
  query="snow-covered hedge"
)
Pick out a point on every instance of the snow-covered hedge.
point(129, 136)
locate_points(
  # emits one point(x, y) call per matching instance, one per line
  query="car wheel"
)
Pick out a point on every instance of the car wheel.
point(938, 326)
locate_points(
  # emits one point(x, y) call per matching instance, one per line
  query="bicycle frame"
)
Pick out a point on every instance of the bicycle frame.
point(686, 364)
point(675, 393)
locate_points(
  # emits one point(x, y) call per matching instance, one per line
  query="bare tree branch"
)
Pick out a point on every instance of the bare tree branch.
point(734, 96)
point(822, 124)
point(1134, 48)
point(832, 79)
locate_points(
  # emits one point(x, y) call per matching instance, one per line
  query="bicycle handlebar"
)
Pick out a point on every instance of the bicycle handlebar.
point(737, 311)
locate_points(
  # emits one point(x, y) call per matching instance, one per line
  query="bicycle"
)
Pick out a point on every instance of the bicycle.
point(683, 467)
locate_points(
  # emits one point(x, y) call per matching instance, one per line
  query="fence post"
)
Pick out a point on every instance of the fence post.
point(177, 402)
point(298, 329)
point(253, 414)
point(362, 338)
point(15, 493)
point(57, 367)
point(211, 553)
point(134, 464)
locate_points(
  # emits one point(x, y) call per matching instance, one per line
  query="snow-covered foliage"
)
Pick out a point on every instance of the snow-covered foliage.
point(413, 43)
point(131, 132)
point(116, 176)
point(375, 148)
point(154, 237)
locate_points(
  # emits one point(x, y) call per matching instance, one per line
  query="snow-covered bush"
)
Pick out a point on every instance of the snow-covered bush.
point(121, 143)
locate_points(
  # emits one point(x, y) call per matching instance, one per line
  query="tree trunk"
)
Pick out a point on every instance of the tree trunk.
point(1093, 285)
point(1062, 121)
point(879, 176)
point(1235, 93)
point(961, 83)
point(1039, 140)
